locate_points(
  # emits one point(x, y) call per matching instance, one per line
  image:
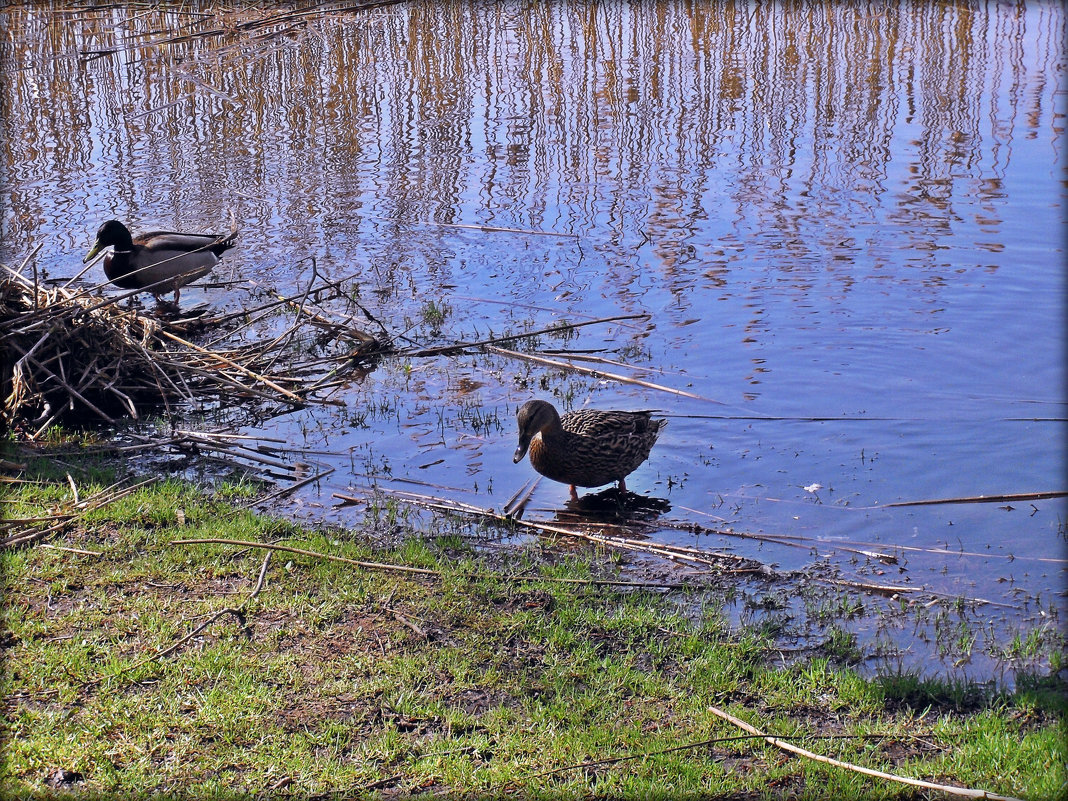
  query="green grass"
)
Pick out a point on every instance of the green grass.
point(363, 682)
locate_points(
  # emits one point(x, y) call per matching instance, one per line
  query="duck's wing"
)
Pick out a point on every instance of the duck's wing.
point(162, 261)
point(611, 424)
point(173, 241)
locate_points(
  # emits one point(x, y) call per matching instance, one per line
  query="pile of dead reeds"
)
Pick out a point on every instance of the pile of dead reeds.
point(66, 353)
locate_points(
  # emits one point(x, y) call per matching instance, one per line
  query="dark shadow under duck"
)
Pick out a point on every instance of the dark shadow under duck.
point(159, 261)
point(614, 505)
point(586, 447)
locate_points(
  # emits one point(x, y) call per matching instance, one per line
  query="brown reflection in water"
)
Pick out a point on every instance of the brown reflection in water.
point(689, 125)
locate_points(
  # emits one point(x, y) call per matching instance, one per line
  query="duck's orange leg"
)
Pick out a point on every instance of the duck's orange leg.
point(574, 493)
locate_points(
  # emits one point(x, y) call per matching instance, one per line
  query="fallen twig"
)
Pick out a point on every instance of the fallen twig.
point(70, 550)
point(215, 355)
point(778, 743)
point(61, 519)
point(426, 571)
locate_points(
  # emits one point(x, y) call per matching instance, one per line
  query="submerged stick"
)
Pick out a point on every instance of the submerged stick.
point(555, 329)
point(490, 229)
point(1019, 496)
point(663, 550)
point(597, 373)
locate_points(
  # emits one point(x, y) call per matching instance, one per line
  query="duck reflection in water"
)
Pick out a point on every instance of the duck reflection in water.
point(613, 505)
point(587, 447)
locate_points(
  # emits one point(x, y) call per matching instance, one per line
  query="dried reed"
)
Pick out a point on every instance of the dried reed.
point(69, 353)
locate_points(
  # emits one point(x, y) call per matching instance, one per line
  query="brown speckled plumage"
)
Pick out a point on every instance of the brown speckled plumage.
point(586, 448)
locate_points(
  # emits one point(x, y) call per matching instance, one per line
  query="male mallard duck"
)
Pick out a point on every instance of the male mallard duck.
point(159, 261)
point(586, 447)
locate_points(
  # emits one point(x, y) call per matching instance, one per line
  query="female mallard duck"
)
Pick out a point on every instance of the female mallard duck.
point(585, 448)
point(159, 261)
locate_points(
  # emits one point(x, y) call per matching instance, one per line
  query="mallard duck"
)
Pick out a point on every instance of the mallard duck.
point(585, 448)
point(159, 261)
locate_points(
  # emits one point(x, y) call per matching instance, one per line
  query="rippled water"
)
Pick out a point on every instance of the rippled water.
point(844, 223)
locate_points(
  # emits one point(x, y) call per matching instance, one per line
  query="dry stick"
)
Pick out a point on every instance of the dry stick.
point(515, 305)
point(24, 536)
point(664, 551)
point(26, 261)
point(220, 377)
point(84, 270)
point(259, 580)
point(319, 318)
point(696, 552)
point(597, 373)
point(425, 571)
point(70, 550)
point(304, 552)
point(183, 391)
point(646, 548)
point(784, 539)
point(549, 330)
point(291, 15)
point(263, 473)
point(70, 389)
point(799, 542)
point(407, 621)
point(220, 357)
point(105, 496)
point(891, 589)
point(44, 426)
point(29, 354)
point(944, 788)
point(238, 612)
point(125, 399)
point(22, 521)
point(229, 435)
point(631, 757)
point(218, 454)
point(446, 504)
point(495, 230)
point(288, 335)
point(215, 322)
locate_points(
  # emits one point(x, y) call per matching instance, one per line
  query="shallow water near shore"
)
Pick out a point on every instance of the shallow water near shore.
point(836, 230)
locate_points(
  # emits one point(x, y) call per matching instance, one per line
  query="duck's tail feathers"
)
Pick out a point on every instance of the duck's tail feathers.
point(224, 242)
